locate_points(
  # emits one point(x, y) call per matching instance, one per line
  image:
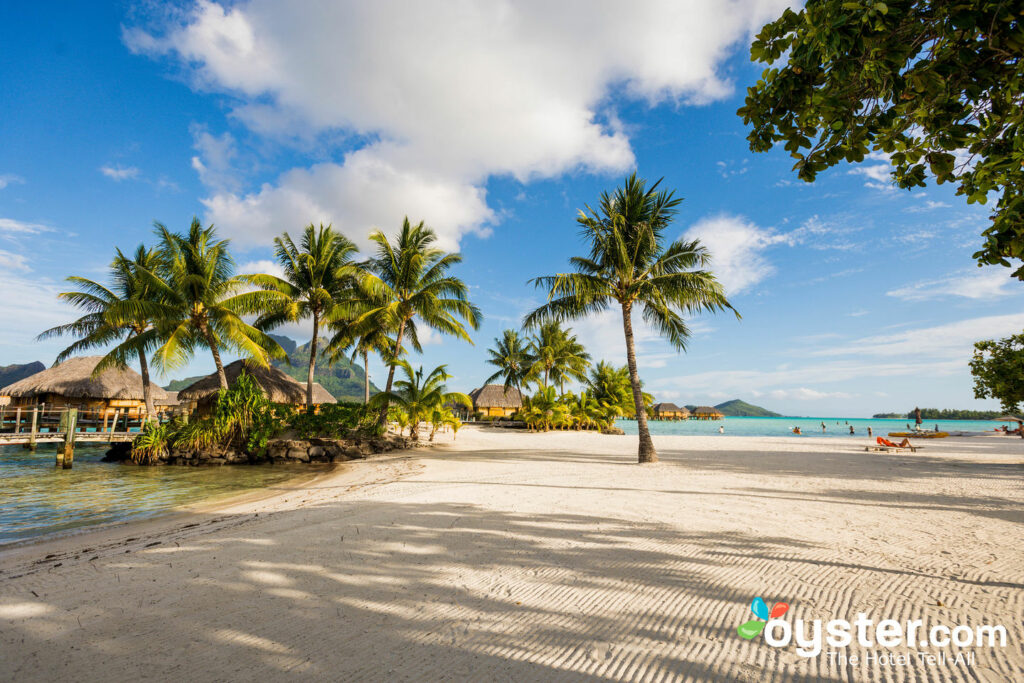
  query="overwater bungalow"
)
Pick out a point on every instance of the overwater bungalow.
point(112, 394)
point(706, 413)
point(492, 400)
point(669, 411)
point(72, 385)
point(276, 386)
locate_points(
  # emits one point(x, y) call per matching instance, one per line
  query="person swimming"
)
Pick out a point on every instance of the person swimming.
point(796, 430)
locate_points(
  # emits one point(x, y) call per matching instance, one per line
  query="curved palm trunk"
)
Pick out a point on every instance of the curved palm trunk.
point(366, 376)
point(312, 358)
point(147, 386)
point(212, 343)
point(382, 419)
point(646, 452)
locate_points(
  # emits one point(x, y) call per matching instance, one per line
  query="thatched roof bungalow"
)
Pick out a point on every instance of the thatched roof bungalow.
point(669, 411)
point(494, 401)
point(706, 413)
point(276, 386)
point(73, 385)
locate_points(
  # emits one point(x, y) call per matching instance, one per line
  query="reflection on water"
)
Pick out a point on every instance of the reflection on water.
point(38, 499)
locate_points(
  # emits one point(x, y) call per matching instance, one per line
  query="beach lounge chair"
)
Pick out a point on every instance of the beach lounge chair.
point(883, 445)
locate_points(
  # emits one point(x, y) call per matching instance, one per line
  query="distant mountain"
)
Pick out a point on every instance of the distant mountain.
point(179, 384)
point(343, 379)
point(9, 374)
point(738, 408)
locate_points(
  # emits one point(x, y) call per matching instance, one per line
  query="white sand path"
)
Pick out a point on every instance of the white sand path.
point(523, 557)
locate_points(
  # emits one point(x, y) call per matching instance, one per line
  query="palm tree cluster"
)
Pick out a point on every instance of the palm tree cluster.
point(165, 303)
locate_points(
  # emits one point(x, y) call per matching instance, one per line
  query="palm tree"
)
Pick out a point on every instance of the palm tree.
point(408, 280)
point(630, 266)
point(114, 316)
point(201, 301)
point(513, 360)
point(419, 394)
point(318, 275)
point(557, 355)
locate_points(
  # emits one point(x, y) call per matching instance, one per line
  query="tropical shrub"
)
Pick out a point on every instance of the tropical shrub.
point(152, 444)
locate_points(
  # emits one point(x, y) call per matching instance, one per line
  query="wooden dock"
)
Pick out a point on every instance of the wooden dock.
point(28, 426)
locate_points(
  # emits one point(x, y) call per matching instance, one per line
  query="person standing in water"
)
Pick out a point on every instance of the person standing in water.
point(851, 430)
point(822, 427)
point(721, 429)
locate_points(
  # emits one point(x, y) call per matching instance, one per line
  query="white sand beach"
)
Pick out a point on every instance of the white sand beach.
point(530, 557)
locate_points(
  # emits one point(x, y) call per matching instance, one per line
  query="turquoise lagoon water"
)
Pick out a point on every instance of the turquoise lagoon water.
point(36, 498)
point(810, 426)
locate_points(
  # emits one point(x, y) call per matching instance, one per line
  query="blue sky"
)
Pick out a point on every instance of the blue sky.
point(494, 126)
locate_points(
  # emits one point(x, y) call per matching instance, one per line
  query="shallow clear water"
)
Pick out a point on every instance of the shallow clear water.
point(810, 426)
point(36, 498)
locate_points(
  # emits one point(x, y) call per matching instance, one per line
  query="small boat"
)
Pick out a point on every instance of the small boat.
point(921, 435)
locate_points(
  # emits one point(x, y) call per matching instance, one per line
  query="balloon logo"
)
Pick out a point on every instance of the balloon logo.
point(760, 609)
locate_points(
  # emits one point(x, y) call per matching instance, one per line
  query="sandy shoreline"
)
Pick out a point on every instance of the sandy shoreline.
point(539, 557)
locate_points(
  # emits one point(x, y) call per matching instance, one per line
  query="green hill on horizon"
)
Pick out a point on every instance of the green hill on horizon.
point(344, 379)
point(738, 408)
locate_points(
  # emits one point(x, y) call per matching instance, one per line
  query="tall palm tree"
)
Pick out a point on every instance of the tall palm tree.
point(408, 281)
point(630, 266)
point(512, 358)
point(318, 275)
point(419, 394)
point(362, 340)
point(557, 355)
point(113, 316)
point(201, 301)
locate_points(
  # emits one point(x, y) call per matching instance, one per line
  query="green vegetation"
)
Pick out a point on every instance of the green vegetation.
point(511, 356)
point(115, 315)
point(334, 421)
point(998, 369)
point(631, 267)
point(420, 395)
point(198, 301)
point(738, 408)
point(319, 275)
point(179, 384)
point(342, 378)
point(938, 87)
point(943, 414)
point(407, 283)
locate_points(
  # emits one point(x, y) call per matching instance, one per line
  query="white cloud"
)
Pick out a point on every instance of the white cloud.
point(929, 205)
point(989, 283)
point(261, 266)
point(13, 261)
point(951, 341)
point(214, 161)
point(736, 247)
point(119, 173)
point(29, 306)
point(10, 227)
point(806, 394)
point(457, 93)
point(10, 179)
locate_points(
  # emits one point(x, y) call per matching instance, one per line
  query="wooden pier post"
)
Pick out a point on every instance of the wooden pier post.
point(117, 414)
point(17, 421)
point(66, 451)
point(35, 426)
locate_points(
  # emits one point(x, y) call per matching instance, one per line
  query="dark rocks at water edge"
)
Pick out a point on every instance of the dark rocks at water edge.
point(279, 451)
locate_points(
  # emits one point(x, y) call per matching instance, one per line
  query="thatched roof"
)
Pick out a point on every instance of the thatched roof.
point(276, 385)
point(73, 379)
point(171, 400)
point(669, 408)
point(495, 396)
point(5, 400)
point(707, 410)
